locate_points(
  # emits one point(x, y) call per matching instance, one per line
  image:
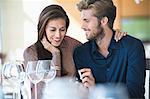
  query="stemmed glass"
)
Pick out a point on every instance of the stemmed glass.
point(34, 74)
point(14, 71)
point(49, 70)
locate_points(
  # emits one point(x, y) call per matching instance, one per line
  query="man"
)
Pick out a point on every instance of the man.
point(102, 59)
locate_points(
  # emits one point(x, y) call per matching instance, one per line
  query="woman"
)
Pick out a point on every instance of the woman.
point(52, 41)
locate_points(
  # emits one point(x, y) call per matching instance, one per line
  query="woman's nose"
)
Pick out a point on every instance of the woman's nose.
point(57, 34)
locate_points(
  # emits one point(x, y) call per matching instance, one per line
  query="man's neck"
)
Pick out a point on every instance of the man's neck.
point(103, 44)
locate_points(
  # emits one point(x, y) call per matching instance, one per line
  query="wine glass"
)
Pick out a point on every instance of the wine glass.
point(13, 71)
point(49, 70)
point(35, 73)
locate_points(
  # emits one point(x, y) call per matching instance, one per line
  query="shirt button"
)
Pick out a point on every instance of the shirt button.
point(108, 69)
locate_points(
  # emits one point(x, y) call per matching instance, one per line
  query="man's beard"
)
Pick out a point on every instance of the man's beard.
point(99, 35)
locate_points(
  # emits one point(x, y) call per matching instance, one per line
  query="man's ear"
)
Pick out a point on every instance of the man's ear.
point(104, 21)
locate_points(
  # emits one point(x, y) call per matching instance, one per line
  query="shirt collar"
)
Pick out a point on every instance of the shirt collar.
point(94, 46)
point(39, 45)
point(113, 44)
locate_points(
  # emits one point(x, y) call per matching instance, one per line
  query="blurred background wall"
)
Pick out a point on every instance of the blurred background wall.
point(18, 23)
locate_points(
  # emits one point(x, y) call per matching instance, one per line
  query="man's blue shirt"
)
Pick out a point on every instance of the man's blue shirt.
point(125, 63)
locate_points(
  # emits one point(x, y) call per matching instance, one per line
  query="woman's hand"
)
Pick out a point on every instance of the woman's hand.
point(56, 59)
point(49, 47)
point(87, 77)
point(119, 35)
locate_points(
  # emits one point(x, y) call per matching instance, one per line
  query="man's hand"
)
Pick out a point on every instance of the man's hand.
point(87, 77)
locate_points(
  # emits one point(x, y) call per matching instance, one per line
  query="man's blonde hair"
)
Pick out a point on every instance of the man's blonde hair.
point(101, 8)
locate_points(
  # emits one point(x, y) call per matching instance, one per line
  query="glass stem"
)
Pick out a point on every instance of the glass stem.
point(35, 90)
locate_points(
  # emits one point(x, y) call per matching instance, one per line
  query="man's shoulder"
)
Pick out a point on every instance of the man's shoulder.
point(130, 41)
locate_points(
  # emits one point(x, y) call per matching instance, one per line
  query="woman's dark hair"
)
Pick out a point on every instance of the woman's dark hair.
point(49, 13)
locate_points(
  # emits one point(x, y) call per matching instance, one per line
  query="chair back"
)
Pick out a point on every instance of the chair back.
point(148, 64)
point(147, 80)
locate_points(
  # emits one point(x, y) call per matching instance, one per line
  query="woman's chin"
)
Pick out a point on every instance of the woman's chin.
point(55, 44)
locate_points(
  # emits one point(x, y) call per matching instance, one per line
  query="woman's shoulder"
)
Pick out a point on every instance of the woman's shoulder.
point(30, 49)
point(70, 42)
point(30, 53)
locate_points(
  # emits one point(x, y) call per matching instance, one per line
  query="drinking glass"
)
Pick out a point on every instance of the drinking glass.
point(14, 71)
point(49, 70)
point(35, 73)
